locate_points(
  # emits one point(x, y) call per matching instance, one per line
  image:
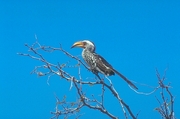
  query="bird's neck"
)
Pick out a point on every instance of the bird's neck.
point(85, 52)
point(89, 49)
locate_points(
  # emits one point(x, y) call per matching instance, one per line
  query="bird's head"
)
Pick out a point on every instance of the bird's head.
point(85, 44)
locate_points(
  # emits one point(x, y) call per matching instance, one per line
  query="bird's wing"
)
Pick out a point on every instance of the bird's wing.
point(103, 60)
point(103, 64)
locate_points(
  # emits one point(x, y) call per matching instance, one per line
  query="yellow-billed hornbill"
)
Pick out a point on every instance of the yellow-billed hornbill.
point(96, 62)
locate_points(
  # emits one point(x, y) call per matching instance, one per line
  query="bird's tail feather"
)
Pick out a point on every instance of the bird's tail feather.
point(123, 77)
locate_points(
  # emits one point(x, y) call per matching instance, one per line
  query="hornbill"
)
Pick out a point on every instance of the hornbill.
point(96, 62)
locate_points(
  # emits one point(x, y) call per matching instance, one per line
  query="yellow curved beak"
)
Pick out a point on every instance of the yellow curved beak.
point(78, 44)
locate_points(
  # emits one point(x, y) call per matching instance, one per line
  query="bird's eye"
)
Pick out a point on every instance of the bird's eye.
point(84, 43)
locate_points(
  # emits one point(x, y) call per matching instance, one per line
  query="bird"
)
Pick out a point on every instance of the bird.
point(96, 62)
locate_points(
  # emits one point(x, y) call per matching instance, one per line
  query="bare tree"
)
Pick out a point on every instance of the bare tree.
point(166, 106)
point(66, 109)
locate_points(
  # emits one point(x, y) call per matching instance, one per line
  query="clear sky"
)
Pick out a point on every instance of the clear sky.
point(136, 37)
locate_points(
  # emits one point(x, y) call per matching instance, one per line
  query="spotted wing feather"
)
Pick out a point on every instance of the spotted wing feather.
point(103, 65)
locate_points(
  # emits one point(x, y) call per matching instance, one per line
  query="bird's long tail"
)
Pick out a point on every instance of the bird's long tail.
point(123, 77)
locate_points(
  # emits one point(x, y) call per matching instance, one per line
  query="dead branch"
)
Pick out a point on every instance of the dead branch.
point(166, 108)
point(67, 109)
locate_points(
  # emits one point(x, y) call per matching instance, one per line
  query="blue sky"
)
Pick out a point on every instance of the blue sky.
point(136, 37)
